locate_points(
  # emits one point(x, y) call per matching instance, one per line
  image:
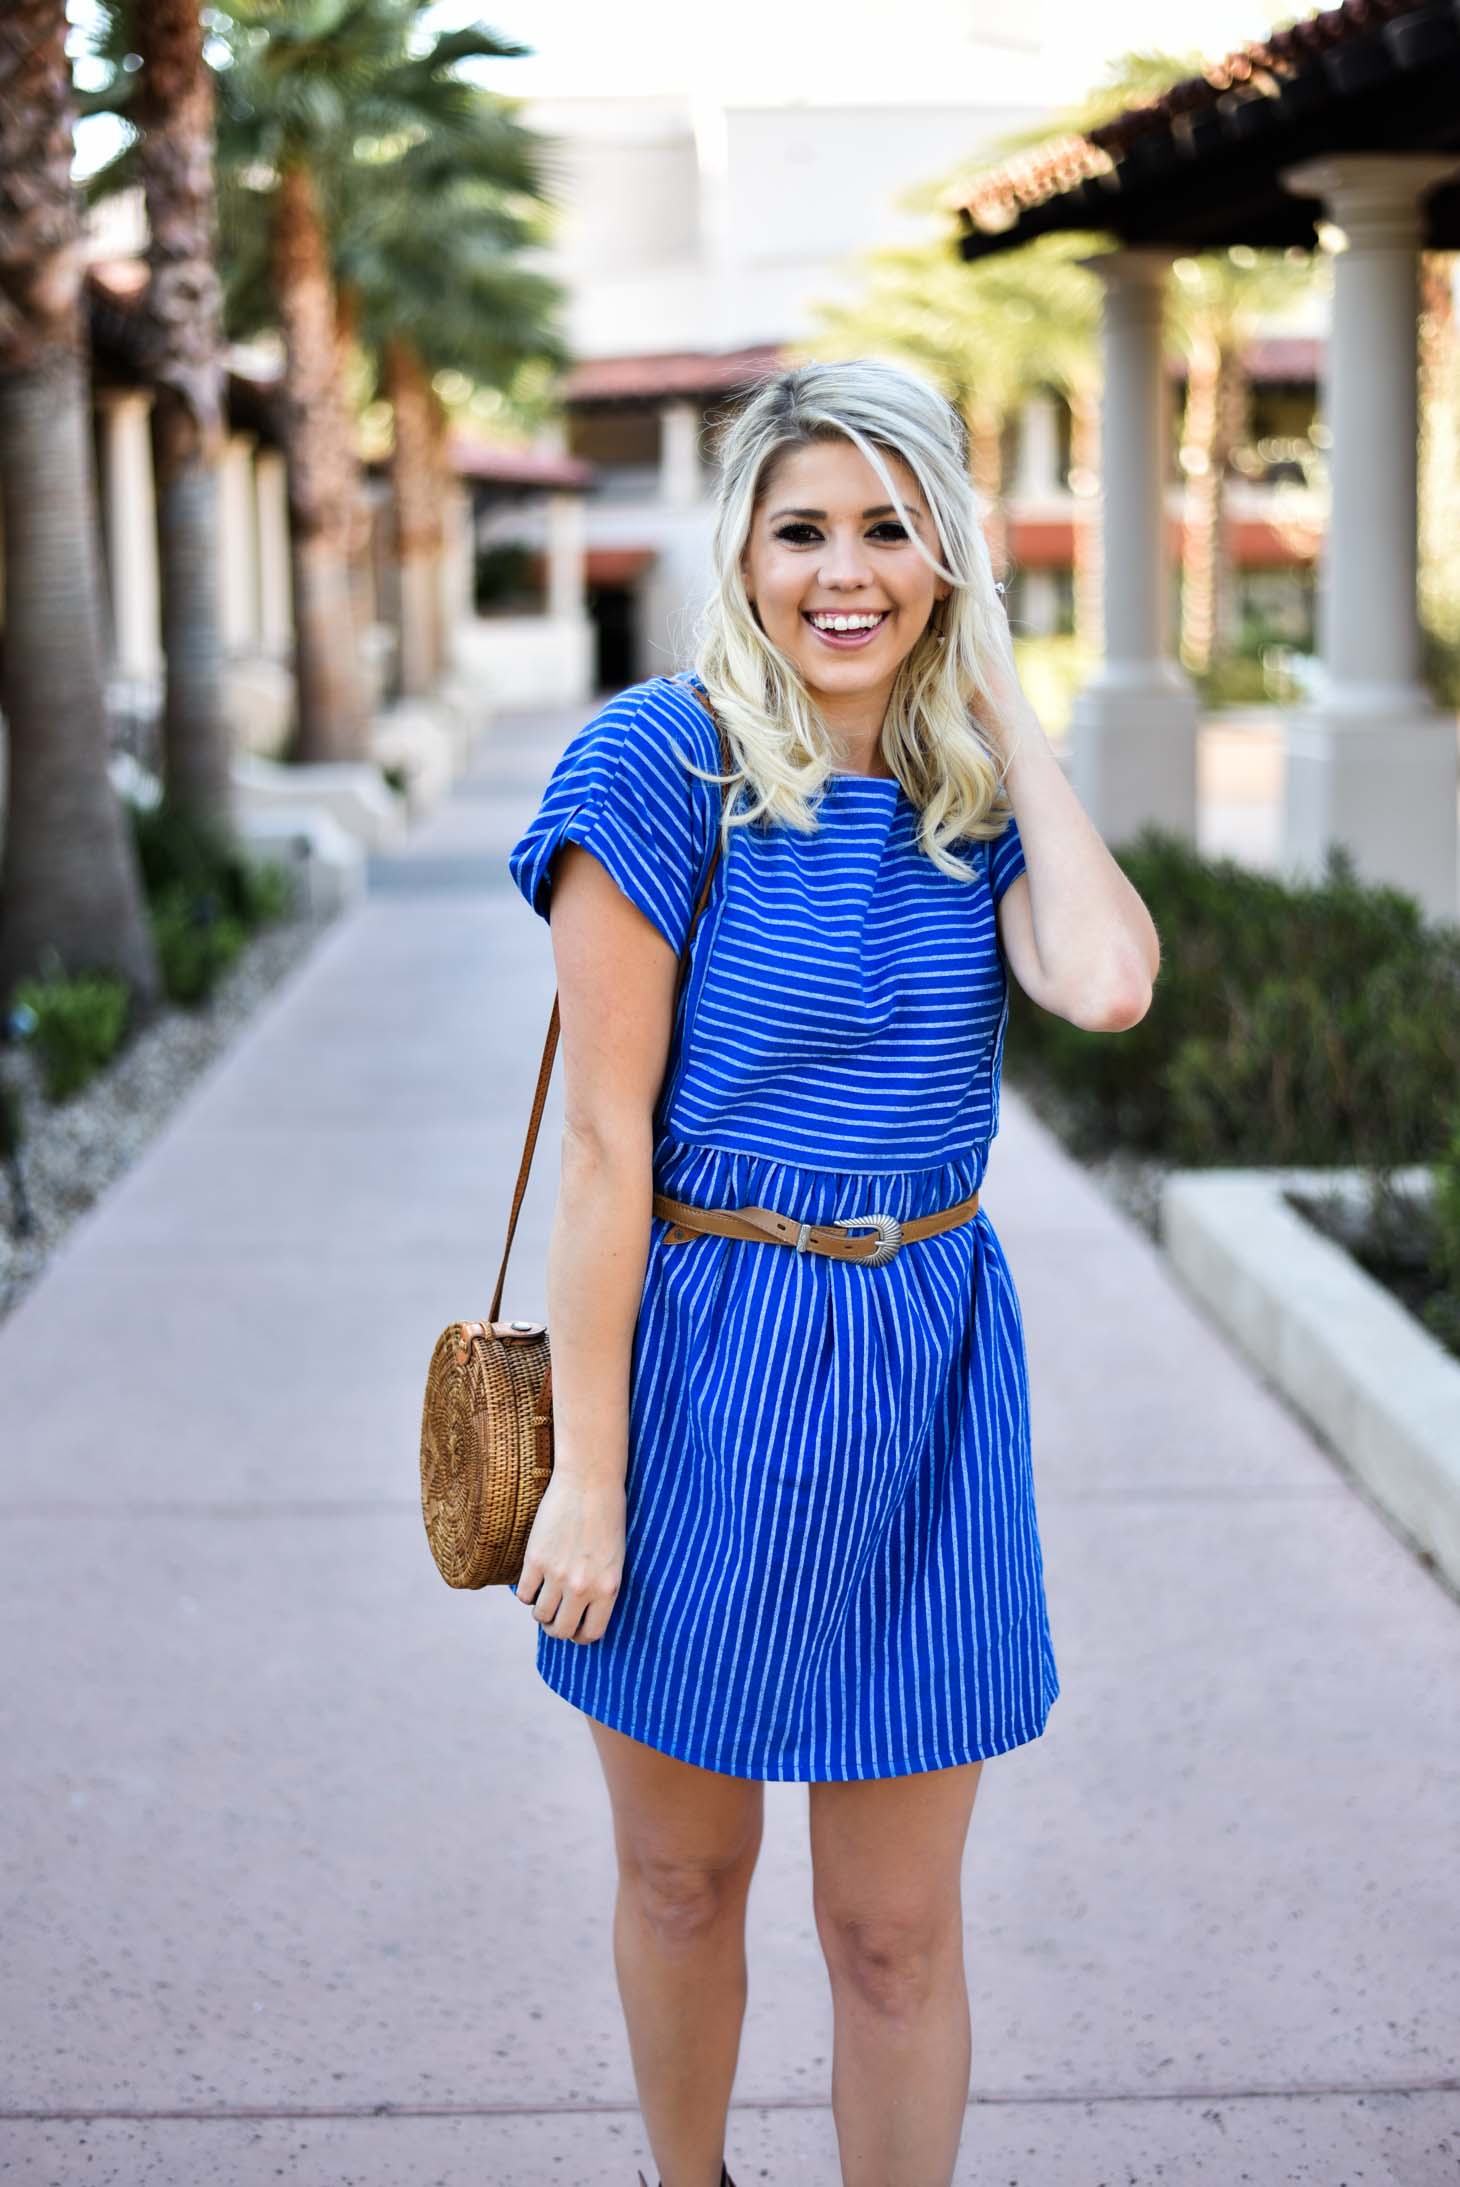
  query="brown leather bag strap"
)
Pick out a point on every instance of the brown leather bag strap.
point(550, 1044)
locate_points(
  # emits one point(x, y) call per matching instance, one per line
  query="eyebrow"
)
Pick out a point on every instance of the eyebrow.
point(886, 509)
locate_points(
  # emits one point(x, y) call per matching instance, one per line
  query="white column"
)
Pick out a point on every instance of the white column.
point(131, 535)
point(238, 546)
point(1038, 474)
point(1372, 763)
point(567, 557)
point(276, 600)
point(679, 455)
point(1133, 728)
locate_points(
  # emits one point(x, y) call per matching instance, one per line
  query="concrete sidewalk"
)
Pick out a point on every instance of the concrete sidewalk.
point(307, 1876)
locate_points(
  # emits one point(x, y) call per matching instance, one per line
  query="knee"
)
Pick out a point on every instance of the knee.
point(894, 1964)
point(683, 1899)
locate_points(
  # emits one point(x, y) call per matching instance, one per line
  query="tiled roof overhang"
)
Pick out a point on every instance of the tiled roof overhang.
point(662, 377)
point(529, 470)
point(1198, 168)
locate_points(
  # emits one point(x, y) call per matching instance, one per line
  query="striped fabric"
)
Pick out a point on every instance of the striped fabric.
point(833, 1566)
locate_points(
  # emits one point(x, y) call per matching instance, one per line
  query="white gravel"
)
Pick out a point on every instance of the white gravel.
point(73, 1150)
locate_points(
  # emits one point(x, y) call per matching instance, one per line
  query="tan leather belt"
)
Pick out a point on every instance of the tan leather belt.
point(887, 1233)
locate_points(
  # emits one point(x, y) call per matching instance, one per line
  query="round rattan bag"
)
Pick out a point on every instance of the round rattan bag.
point(487, 1420)
point(486, 1447)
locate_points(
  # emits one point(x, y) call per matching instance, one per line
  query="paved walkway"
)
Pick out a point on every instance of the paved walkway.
point(305, 1874)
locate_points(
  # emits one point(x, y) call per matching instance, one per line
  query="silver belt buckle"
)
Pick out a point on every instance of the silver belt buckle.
point(887, 1226)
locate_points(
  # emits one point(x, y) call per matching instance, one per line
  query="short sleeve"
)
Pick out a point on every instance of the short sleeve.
point(622, 789)
point(1006, 858)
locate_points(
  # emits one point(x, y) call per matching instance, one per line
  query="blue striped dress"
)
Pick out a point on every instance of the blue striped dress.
point(832, 1566)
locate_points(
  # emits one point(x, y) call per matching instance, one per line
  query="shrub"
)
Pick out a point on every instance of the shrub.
point(265, 891)
point(177, 848)
point(1442, 1311)
point(1291, 1023)
point(1236, 679)
point(197, 940)
point(80, 1020)
point(203, 896)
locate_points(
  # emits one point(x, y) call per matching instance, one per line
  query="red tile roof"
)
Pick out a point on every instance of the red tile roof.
point(1048, 543)
point(1253, 71)
point(670, 373)
point(528, 468)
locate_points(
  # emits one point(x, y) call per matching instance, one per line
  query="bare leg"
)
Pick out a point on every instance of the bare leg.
point(687, 1840)
point(887, 1860)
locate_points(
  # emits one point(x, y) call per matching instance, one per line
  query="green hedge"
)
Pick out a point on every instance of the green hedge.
point(1290, 1023)
point(203, 897)
point(178, 851)
point(1442, 1311)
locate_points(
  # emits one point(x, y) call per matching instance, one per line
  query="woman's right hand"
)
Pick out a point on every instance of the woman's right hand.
point(575, 1553)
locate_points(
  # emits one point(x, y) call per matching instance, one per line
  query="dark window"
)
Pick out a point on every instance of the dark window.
point(617, 439)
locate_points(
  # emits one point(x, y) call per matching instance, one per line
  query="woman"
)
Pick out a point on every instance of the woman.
point(791, 1531)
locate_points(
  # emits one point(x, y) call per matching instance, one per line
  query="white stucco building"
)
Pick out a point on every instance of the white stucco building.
point(696, 237)
point(696, 241)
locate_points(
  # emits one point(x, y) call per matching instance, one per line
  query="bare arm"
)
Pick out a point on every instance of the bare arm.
point(1076, 932)
point(616, 976)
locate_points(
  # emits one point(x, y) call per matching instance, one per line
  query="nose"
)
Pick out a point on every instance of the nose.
point(845, 562)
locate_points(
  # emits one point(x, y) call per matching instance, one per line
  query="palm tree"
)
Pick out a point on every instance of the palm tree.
point(312, 87)
point(323, 476)
point(992, 334)
point(182, 317)
point(69, 879)
point(427, 254)
point(1217, 301)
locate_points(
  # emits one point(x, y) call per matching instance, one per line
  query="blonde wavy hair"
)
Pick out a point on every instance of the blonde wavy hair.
point(930, 737)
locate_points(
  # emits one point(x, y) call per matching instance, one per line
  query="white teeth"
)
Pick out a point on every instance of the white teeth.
point(847, 622)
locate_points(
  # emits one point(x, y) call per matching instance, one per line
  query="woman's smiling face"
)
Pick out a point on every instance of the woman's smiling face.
point(826, 545)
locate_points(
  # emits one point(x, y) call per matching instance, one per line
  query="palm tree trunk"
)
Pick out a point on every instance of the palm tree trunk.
point(1198, 532)
point(447, 484)
point(1201, 541)
point(414, 482)
point(363, 591)
point(1439, 451)
point(322, 481)
point(184, 320)
point(1215, 398)
point(69, 878)
point(986, 464)
point(1087, 546)
point(1233, 403)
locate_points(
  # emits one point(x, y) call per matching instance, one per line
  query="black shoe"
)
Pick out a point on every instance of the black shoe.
point(725, 2179)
